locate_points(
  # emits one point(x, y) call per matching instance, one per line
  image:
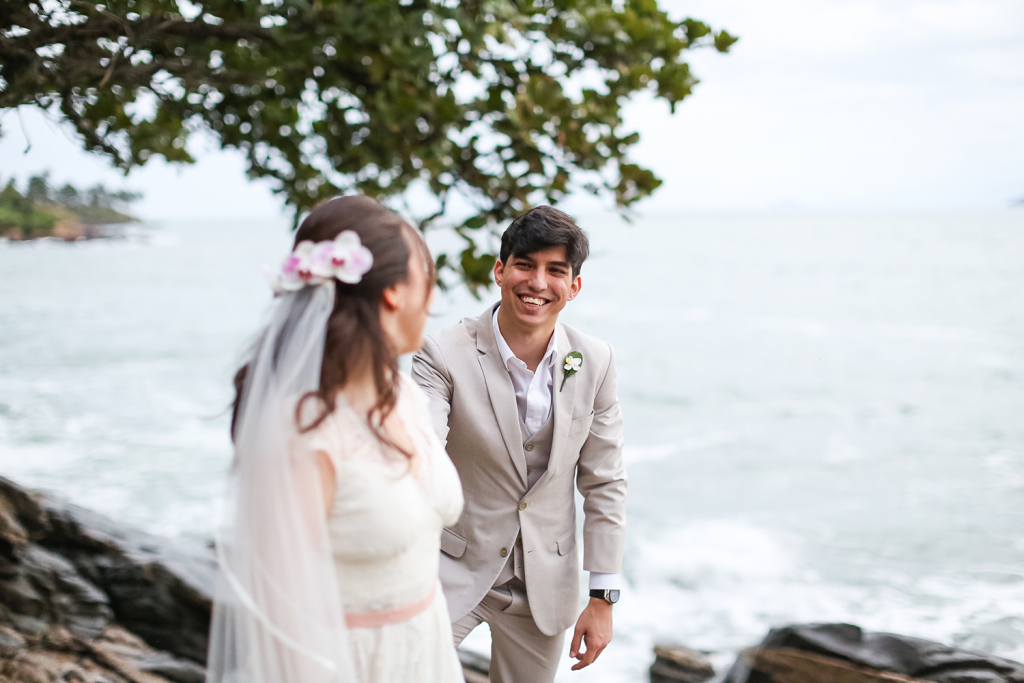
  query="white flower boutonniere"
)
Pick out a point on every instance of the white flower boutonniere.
point(573, 363)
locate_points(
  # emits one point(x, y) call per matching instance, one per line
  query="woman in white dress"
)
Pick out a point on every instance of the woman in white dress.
point(339, 486)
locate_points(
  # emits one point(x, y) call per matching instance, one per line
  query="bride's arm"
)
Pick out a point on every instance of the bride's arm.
point(316, 445)
point(314, 482)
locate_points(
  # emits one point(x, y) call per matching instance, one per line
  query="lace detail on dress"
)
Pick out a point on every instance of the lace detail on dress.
point(385, 528)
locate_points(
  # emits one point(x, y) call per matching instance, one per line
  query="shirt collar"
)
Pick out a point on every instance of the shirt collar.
point(506, 352)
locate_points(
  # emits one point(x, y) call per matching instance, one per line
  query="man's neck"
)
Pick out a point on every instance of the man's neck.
point(528, 343)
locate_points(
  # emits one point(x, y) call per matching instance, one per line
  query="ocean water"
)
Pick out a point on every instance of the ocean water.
point(824, 413)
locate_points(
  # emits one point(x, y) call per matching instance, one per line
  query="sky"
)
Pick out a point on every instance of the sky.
point(823, 105)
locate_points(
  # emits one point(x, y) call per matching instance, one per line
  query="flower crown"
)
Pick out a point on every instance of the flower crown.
point(343, 258)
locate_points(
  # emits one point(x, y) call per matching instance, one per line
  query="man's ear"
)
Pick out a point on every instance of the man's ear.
point(575, 288)
point(499, 272)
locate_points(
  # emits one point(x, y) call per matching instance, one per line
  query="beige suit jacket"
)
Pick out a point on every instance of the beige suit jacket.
point(473, 407)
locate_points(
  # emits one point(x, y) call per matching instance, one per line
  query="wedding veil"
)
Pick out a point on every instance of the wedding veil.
point(278, 614)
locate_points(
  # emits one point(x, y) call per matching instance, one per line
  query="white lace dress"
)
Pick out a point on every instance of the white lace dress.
point(385, 529)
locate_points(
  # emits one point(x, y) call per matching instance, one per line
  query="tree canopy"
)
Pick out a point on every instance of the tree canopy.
point(503, 103)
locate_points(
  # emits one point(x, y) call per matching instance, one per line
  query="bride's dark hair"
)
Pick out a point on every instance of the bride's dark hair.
point(354, 331)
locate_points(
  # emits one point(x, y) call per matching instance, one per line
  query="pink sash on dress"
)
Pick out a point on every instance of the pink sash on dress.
point(387, 617)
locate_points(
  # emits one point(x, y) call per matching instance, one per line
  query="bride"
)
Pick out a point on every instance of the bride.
point(339, 487)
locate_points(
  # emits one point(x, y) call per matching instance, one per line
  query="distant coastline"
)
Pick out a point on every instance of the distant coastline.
point(68, 214)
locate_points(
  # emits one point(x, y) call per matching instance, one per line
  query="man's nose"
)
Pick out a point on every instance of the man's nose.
point(537, 280)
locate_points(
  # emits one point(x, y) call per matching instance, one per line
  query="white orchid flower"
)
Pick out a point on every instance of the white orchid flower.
point(321, 260)
point(344, 258)
point(351, 259)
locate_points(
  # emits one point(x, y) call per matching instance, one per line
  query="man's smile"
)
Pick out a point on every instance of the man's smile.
point(532, 301)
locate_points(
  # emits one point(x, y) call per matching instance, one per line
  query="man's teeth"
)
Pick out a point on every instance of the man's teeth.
point(532, 300)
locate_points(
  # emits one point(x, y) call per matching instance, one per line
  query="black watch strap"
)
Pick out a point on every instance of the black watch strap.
point(609, 596)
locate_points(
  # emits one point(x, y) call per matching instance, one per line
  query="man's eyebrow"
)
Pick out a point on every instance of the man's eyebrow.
point(530, 260)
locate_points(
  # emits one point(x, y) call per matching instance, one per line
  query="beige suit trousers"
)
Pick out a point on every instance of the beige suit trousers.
point(520, 653)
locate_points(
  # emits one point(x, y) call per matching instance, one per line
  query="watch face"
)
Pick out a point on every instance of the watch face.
point(613, 597)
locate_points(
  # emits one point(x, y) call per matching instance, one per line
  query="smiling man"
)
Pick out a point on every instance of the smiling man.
point(527, 407)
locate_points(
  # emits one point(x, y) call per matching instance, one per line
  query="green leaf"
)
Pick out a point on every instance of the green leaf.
point(723, 41)
point(476, 269)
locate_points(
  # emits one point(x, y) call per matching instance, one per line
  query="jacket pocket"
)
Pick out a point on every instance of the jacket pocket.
point(566, 542)
point(579, 424)
point(452, 544)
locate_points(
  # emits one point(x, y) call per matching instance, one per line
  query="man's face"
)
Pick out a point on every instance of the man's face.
point(535, 288)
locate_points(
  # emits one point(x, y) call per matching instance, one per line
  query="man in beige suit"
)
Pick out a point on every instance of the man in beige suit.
point(523, 422)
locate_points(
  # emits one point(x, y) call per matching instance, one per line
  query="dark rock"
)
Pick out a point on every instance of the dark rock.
point(475, 668)
point(131, 658)
point(177, 670)
point(32, 626)
point(10, 642)
point(880, 652)
point(60, 639)
point(72, 582)
point(12, 534)
point(674, 663)
point(788, 665)
point(156, 587)
point(8, 568)
point(159, 588)
point(71, 600)
point(19, 595)
point(22, 518)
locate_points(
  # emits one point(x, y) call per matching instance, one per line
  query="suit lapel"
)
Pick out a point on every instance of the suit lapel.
point(562, 402)
point(501, 392)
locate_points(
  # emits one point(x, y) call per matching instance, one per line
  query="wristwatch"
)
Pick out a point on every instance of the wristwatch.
point(609, 596)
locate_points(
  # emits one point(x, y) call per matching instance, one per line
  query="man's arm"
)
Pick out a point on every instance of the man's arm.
point(601, 479)
point(431, 374)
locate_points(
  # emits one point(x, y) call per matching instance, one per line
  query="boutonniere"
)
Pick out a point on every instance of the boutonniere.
point(573, 363)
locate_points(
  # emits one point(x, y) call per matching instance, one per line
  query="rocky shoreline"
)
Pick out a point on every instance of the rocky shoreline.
point(838, 653)
point(72, 231)
point(84, 599)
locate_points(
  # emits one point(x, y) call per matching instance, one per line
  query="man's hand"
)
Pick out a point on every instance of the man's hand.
point(594, 628)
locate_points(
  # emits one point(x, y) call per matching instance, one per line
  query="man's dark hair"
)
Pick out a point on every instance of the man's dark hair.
point(544, 227)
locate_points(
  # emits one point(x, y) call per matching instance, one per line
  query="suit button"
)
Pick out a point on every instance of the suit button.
point(529, 446)
point(504, 552)
point(522, 506)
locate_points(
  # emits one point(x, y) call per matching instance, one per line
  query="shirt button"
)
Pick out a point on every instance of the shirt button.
point(529, 470)
point(504, 552)
point(522, 506)
point(529, 446)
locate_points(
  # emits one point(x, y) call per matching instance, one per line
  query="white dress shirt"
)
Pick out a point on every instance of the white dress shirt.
point(533, 389)
point(534, 393)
